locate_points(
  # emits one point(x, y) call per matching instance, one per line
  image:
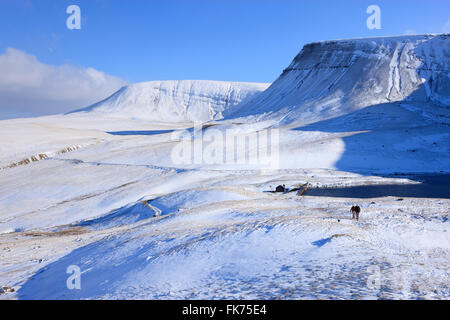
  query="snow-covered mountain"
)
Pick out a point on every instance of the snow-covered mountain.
point(331, 78)
point(176, 101)
point(325, 80)
point(101, 190)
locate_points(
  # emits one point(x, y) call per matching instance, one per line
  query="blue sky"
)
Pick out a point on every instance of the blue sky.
point(239, 40)
point(46, 68)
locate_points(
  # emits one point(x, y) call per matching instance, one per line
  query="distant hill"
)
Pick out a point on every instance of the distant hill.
point(176, 101)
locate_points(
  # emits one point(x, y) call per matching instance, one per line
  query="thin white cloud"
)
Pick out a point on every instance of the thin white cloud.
point(31, 88)
point(410, 32)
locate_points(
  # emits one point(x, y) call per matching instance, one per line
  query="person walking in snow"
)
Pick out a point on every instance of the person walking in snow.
point(355, 212)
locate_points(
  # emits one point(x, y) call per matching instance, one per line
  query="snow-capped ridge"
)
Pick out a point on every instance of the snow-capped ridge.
point(332, 78)
point(176, 101)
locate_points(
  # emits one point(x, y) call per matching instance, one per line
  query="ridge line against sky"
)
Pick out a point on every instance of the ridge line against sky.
point(233, 40)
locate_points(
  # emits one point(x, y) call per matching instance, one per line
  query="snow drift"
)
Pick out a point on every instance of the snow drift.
point(332, 78)
point(176, 101)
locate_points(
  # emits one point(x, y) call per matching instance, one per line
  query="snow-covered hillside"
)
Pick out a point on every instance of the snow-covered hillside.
point(176, 101)
point(331, 78)
point(99, 189)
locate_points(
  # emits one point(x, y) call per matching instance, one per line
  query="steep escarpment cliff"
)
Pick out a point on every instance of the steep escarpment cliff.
point(331, 78)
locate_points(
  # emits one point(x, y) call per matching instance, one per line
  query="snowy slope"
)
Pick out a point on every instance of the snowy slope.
point(331, 78)
point(109, 198)
point(176, 101)
point(230, 240)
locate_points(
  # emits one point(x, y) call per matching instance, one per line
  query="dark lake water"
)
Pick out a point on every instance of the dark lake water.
point(431, 186)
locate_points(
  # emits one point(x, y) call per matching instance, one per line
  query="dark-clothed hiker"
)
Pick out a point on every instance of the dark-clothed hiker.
point(357, 211)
